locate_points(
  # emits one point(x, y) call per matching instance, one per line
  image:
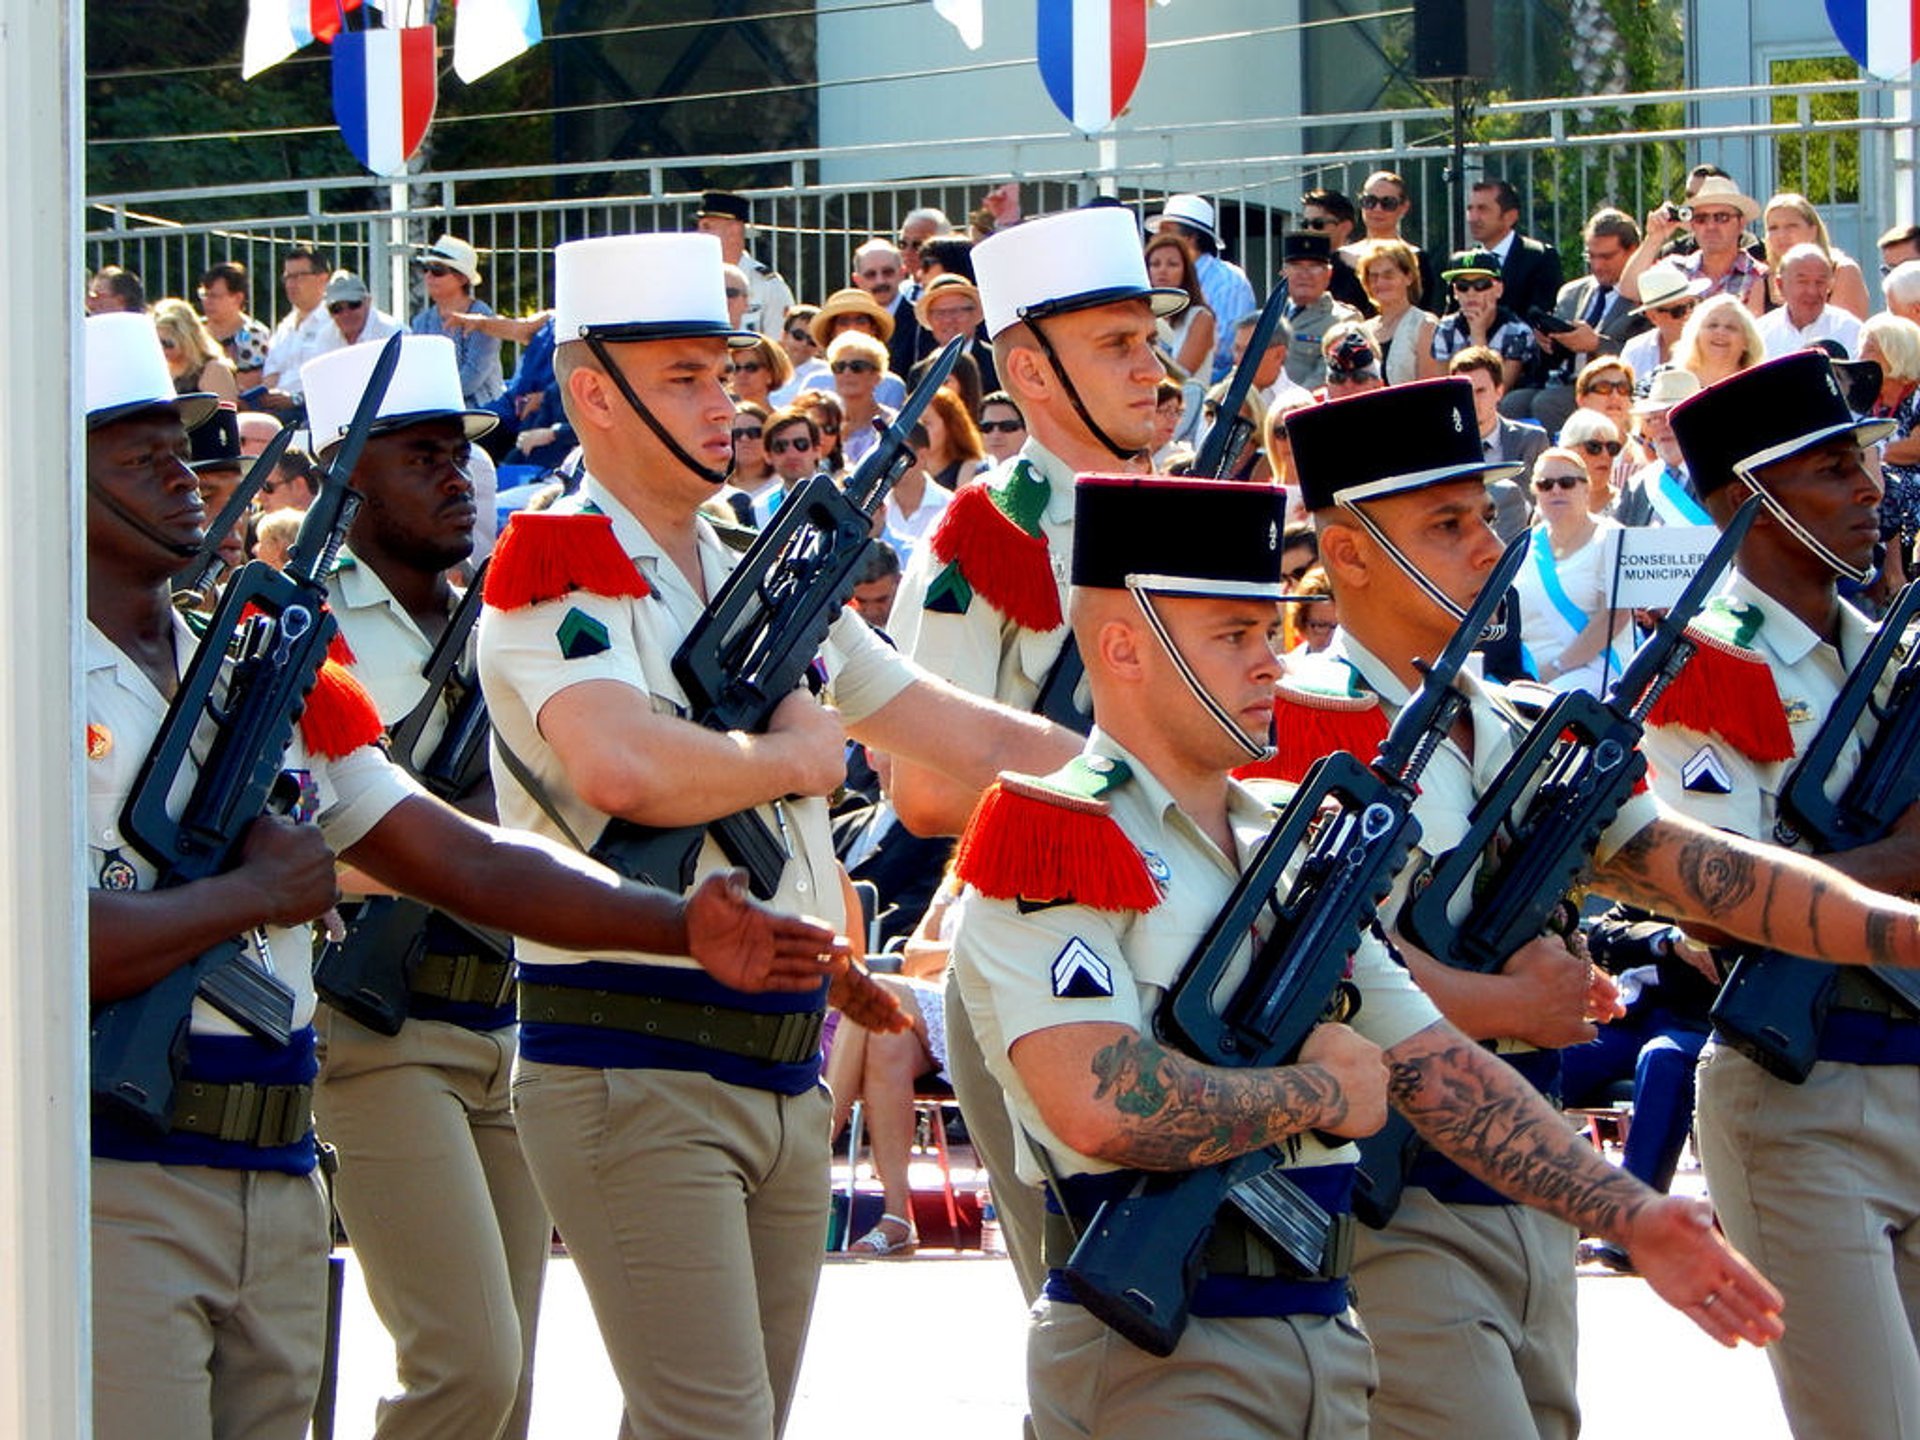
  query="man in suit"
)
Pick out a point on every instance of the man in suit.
point(878, 269)
point(1529, 269)
point(1500, 439)
point(1602, 318)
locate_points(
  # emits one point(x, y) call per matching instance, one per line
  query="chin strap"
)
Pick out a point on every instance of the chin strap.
point(1119, 452)
point(1259, 750)
point(614, 373)
point(1432, 591)
point(185, 552)
point(1856, 573)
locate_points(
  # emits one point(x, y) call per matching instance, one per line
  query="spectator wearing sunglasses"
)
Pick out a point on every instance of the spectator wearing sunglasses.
point(353, 317)
point(1600, 444)
point(1481, 319)
point(450, 270)
point(1570, 639)
point(1329, 213)
point(757, 371)
point(792, 441)
point(1003, 429)
point(1607, 385)
point(1384, 208)
point(1716, 221)
point(754, 490)
point(1668, 297)
point(859, 363)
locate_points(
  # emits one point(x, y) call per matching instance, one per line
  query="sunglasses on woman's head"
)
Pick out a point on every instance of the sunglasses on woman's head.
point(1595, 447)
point(1558, 482)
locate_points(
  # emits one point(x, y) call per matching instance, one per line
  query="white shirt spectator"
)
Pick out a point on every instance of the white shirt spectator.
point(1832, 323)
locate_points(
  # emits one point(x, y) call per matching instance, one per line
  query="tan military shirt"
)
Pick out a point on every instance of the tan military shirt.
point(1708, 780)
point(983, 651)
point(345, 797)
point(525, 661)
point(390, 651)
point(1013, 967)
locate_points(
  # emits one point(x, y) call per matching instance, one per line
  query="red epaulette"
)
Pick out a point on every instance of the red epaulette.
point(340, 716)
point(543, 556)
point(1318, 708)
point(1003, 563)
point(1726, 688)
point(338, 650)
point(1048, 842)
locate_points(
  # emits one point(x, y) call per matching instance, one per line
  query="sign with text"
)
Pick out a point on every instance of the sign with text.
point(1655, 562)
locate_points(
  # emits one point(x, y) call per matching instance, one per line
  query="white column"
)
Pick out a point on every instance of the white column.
point(44, 1388)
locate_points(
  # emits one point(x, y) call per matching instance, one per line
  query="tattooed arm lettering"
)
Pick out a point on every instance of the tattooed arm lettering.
point(1476, 1109)
point(1760, 893)
point(1112, 1093)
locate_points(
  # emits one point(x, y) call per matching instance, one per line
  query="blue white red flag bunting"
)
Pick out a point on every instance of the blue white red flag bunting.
point(489, 33)
point(1882, 35)
point(1091, 53)
point(279, 28)
point(385, 85)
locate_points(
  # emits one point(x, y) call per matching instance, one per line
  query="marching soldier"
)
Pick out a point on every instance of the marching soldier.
point(1088, 890)
point(1460, 1283)
point(210, 1239)
point(683, 1156)
point(1072, 319)
point(444, 1218)
point(1818, 1180)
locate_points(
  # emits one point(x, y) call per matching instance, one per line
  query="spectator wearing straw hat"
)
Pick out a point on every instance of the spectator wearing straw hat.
point(1223, 285)
point(854, 309)
point(450, 269)
point(1716, 219)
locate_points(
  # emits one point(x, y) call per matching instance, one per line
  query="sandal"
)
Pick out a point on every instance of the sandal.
point(878, 1244)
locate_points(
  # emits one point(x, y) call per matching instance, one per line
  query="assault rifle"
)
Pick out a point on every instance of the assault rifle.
point(1773, 1006)
point(274, 628)
point(1567, 780)
point(1231, 430)
point(1350, 826)
point(368, 975)
point(758, 638)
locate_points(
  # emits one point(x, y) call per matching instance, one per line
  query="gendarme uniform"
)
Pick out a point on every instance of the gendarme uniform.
point(1818, 1182)
point(1468, 1296)
point(1094, 931)
point(210, 1243)
point(445, 1220)
point(983, 602)
point(769, 297)
point(676, 1128)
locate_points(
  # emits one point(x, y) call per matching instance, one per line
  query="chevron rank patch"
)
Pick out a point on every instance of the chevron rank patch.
point(580, 635)
point(1706, 773)
point(1079, 973)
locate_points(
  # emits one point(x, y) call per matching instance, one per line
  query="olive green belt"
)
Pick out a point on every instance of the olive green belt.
point(264, 1116)
point(464, 979)
point(785, 1039)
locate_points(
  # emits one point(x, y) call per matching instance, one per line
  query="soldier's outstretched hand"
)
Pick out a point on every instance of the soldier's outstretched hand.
point(742, 943)
point(1692, 1267)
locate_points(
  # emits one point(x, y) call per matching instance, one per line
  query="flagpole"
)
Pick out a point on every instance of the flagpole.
point(45, 1344)
point(1109, 162)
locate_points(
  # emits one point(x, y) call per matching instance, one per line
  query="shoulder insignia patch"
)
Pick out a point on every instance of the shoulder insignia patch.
point(544, 555)
point(948, 593)
point(991, 535)
point(99, 741)
point(1054, 840)
point(1706, 773)
point(1079, 973)
point(580, 635)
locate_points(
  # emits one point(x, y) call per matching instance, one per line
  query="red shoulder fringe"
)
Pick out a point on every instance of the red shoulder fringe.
point(543, 556)
point(1729, 692)
point(1307, 726)
point(1027, 842)
point(1001, 562)
point(340, 716)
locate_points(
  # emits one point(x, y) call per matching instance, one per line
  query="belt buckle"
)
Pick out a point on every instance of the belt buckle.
point(240, 1112)
point(795, 1037)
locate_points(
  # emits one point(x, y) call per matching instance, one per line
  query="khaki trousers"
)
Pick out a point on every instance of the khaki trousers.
point(209, 1302)
point(1472, 1313)
point(697, 1213)
point(444, 1219)
point(1302, 1377)
point(1021, 1208)
point(1819, 1185)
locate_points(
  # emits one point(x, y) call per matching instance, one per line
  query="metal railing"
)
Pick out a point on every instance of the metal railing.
point(1566, 157)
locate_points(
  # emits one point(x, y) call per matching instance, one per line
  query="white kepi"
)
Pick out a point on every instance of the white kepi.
point(127, 373)
point(425, 386)
point(642, 287)
point(1070, 261)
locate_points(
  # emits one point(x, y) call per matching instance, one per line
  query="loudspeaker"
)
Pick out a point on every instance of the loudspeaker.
point(1453, 39)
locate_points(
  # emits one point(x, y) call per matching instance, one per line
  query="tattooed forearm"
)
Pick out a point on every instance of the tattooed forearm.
point(1176, 1114)
point(1476, 1108)
point(1716, 876)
